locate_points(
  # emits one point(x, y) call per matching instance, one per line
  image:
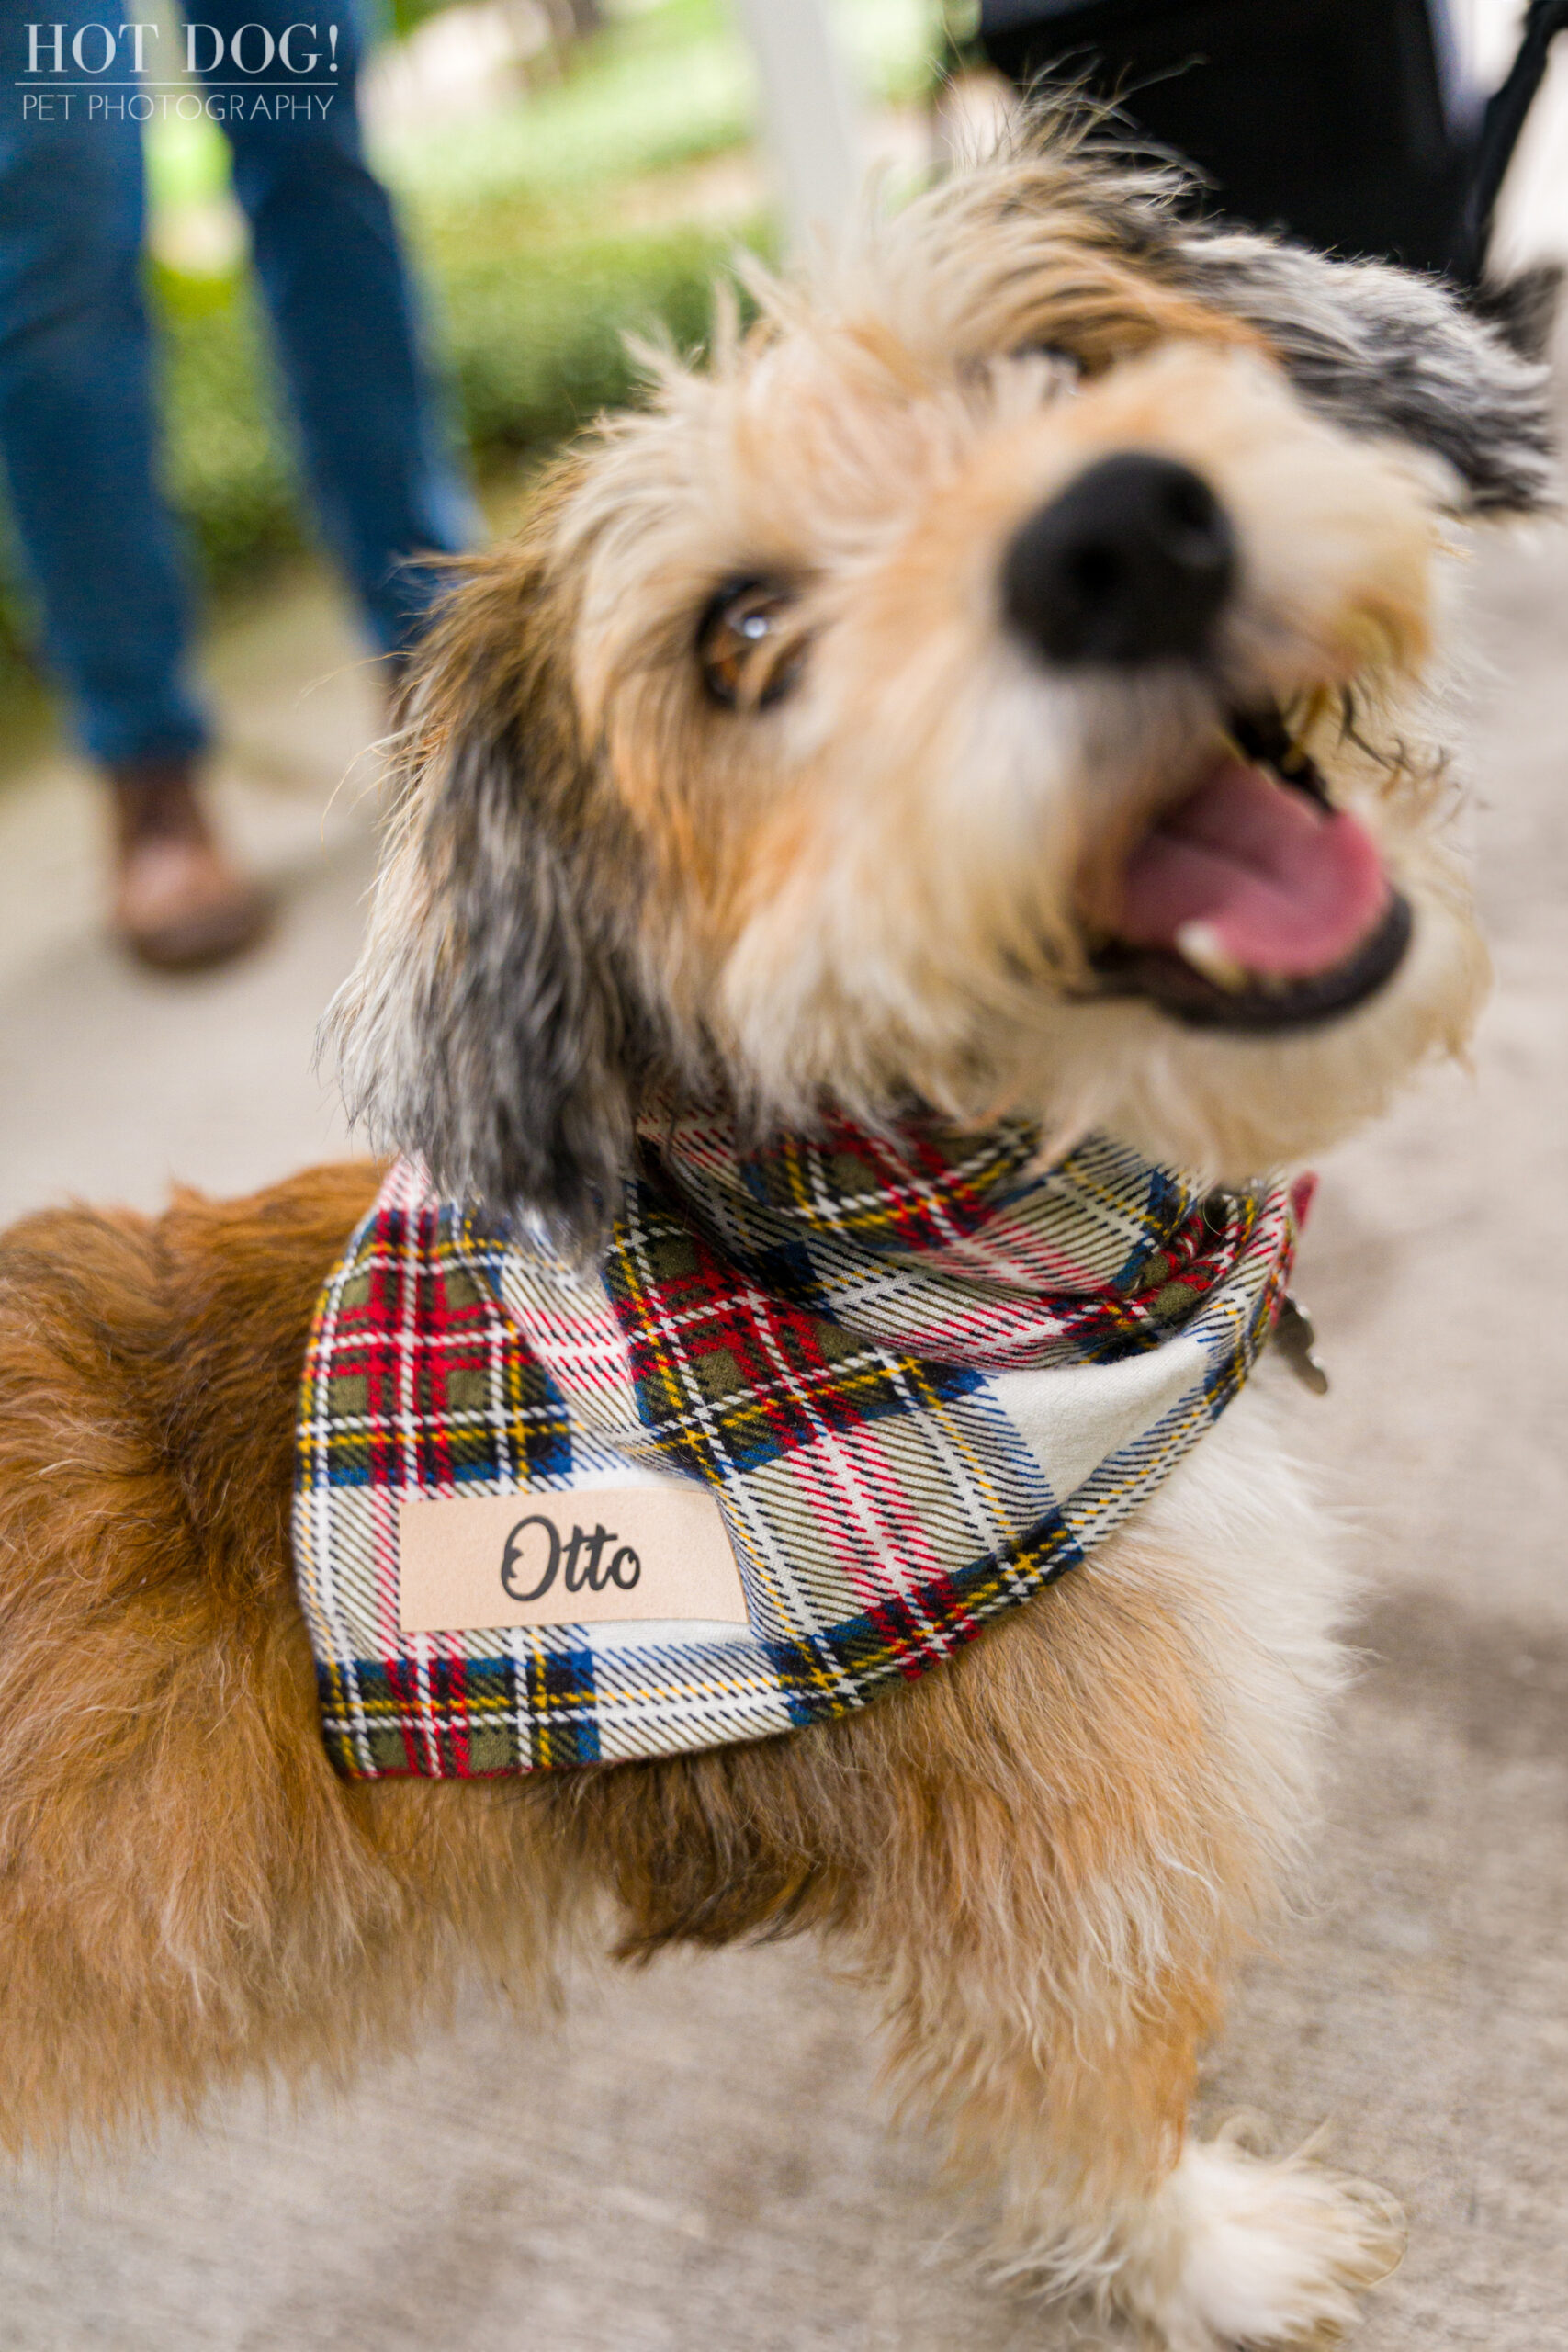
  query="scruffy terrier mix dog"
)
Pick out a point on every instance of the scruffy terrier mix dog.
point(995, 682)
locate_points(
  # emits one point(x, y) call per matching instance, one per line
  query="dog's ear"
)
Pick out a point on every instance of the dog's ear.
point(1382, 351)
point(1523, 309)
point(488, 1027)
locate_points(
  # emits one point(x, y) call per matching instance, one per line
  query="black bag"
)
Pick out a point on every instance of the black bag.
point(1336, 120)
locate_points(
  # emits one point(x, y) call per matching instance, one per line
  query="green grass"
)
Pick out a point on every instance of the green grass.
point(515, 224)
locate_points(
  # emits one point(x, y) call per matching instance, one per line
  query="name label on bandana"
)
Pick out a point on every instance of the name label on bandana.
point(596, 1555)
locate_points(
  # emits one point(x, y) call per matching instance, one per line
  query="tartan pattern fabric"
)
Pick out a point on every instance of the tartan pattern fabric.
point(921, 1375)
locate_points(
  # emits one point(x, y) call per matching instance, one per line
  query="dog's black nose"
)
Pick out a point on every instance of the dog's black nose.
point(1130, 564)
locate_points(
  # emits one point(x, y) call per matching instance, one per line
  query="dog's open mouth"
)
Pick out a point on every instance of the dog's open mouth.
point(1254, 903)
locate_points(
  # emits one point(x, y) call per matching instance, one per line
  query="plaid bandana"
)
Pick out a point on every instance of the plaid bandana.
point(920, 1378)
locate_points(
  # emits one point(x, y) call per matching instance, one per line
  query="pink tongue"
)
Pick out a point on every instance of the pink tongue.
point(1285, 888)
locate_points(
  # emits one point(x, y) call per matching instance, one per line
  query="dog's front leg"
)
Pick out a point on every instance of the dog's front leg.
point(1096, 1803)
point(1069, 2101)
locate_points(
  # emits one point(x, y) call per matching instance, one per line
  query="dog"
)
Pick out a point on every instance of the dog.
point(845, 728)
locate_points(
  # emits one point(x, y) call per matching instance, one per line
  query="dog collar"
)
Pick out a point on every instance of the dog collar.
point(823, 1411)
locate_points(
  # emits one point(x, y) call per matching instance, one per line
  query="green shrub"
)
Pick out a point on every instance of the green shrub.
point(538, 347)
point(533, 345)
point(227, 461)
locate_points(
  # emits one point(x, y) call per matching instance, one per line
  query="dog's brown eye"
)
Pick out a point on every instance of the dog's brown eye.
point(748, 647)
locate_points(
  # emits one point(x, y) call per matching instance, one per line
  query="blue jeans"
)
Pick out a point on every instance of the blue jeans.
point(78, 434)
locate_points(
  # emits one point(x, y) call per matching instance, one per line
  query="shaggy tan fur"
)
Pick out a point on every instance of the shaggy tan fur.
point(877, 869)
point(1044, 1856)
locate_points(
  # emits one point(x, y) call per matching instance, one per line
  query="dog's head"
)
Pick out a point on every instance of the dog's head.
point(994, 681)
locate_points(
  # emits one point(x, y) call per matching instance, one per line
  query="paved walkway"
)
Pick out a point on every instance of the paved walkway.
point(112, 1080)
point(697, 2162)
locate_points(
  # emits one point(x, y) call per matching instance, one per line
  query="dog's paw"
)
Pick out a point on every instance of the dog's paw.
point(1243, 2250)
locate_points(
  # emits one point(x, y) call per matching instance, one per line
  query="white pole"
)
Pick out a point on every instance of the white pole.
point(809, 115)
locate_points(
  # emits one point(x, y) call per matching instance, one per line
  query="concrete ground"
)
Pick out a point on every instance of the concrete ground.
point(698, 2157)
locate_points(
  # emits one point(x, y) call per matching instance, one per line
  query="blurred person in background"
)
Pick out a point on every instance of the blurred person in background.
point(78, 431)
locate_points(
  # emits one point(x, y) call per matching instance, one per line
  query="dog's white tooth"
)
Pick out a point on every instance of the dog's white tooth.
point(1199, 945)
